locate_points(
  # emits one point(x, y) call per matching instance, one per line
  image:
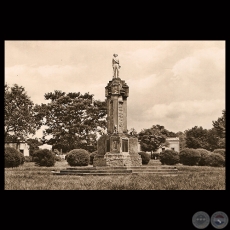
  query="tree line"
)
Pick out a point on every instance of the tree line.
point(74, 120)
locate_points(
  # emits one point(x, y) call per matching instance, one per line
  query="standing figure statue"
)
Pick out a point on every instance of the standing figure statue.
point(116, 66)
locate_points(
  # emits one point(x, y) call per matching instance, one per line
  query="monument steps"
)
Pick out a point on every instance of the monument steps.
point(121, 170)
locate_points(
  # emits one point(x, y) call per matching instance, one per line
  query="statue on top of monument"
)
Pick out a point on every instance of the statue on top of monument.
point(116, 66)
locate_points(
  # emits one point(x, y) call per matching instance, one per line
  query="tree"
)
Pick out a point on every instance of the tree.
point(151, 139)
point(219, 127)
point(71, 118)
point(182, 140)
point(220, 124)
point(196, 137)
point(20, 119)
point(33, 145)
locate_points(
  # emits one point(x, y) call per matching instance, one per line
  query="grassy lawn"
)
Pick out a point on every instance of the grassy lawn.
point(30, 177)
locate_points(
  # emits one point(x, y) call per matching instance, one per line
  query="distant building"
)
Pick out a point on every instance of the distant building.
point(173, 145)
point(45, 146)
point(21, 146)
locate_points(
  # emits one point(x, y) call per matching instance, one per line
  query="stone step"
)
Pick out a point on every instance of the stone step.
point(114, 173)
point(118, 171)
point(155, 170)
point(95, 171)
point(121, 167)
point(151, 167)
point(89, 174)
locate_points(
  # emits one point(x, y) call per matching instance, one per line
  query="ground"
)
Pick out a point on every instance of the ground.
point(31, 177)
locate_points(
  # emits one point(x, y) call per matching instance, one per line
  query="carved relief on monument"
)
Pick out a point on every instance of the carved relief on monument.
point(111, 115)
point(115, 144)
point(120, 116)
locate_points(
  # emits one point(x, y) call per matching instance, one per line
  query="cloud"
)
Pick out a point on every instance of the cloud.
point(178, 84)
point(175, 116)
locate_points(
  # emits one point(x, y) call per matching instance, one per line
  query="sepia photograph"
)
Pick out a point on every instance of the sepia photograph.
point(114, 115)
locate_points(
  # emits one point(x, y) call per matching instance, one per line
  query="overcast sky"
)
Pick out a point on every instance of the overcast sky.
point(177, 84)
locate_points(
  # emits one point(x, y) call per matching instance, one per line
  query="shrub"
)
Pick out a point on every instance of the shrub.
point(28, 158)
point(203, 155)
point(13, 158)
point(91, 157)
point(145, 157)
point(220, 151)
point(169, 157)
point(189, 156)
point(153, 155)
point(78, 157)
point(215, 160)
point(58, 158)
point(44, 157)
point(56, 152)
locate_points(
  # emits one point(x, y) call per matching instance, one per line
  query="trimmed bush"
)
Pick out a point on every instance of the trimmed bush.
point(203, 155)
point(44, 157)
point(58, 158)
point(189, 156)
point(215, 160)
point(220, 151)
point(13, 158)
point(91, 157)
point(169, 157)
point(145, 157)
point(78, 157)
point(157, 155)
point(28, 158)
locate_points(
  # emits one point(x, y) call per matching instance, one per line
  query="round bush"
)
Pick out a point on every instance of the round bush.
point(203, 155)
point(28, 158)
point(220, 151)
point(44, 157)
point(215, 160)
point(58, 158)
point(169, 157)
point(78, 157)
point(189, 156)
point(13, 158)
point(145, 157)
point(91, 157)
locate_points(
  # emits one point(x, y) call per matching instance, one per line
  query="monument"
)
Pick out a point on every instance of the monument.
point(117, 148)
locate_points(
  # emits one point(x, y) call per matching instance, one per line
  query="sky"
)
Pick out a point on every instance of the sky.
point(176, 84)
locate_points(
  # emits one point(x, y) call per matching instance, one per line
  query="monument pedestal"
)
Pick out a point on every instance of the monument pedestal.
point(117, 150)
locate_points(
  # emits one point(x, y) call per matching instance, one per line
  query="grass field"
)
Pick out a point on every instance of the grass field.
point(30, 177)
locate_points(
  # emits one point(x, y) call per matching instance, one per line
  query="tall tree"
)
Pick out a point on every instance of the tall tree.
point(33, 145)
point(182, 140)
point(20, 119)
point(151, 139)
point(196, 137)
point(72, 118)
point(220, 124)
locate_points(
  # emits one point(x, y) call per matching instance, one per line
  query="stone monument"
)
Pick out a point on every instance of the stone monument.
point(117, 148)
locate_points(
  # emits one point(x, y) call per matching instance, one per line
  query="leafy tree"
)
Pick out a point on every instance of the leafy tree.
point(220, 124)
point(182, 140)
point(72, 118)
point(33, 145)
point(151, 139)
point(209, 139)
point(196, 137)
point(19, 118)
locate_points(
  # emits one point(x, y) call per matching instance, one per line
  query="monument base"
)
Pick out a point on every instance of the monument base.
point(117, 150)
point(118, 159)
